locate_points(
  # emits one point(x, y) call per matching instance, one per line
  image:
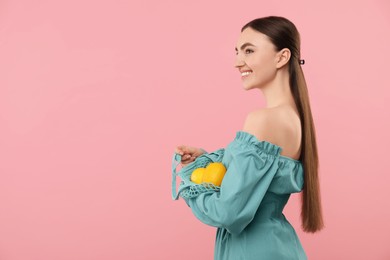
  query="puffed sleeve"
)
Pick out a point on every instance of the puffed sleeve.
point(251, 166)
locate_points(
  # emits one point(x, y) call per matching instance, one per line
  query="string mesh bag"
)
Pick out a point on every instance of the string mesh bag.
point(187, 188)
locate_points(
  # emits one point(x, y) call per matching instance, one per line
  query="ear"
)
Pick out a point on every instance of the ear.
point(282, 57)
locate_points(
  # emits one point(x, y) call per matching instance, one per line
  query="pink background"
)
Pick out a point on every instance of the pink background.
point(95, 95)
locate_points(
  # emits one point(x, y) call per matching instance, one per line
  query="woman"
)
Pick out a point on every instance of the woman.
point(274, 155)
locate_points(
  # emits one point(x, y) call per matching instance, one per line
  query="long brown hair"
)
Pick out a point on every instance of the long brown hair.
point(283, 34)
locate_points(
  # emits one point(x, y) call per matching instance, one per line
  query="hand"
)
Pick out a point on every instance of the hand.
point(188, 153)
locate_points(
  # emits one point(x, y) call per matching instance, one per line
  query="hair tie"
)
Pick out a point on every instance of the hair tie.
point(302, 61)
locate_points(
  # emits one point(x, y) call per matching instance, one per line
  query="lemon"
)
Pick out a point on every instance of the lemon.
point(197, 175)
point(214, 173)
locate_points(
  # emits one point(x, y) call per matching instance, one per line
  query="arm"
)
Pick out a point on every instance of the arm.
point(249, 174)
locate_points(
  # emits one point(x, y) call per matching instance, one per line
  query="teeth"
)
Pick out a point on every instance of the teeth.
point(246, 73)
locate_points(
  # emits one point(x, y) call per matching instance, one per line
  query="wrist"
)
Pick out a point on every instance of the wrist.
point(203, 150)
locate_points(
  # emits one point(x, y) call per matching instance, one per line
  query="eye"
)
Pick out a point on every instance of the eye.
point(247, 51)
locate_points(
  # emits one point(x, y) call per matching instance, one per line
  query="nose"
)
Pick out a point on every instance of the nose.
point(239, 61)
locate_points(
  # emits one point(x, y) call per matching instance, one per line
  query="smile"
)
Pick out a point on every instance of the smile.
point(245, 73)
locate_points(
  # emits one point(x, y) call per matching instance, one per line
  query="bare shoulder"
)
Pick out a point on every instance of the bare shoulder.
point(280, 126)
point(264, 123)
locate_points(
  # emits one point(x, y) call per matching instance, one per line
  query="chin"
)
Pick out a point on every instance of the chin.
point(247, 86)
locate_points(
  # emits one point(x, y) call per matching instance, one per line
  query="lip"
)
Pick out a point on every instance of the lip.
point(241, 71)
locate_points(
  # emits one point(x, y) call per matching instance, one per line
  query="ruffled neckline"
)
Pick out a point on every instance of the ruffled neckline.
point(268, 147)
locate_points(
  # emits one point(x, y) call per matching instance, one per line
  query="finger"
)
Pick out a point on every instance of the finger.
point(188, 160)
point(179, 150)
point(185, 157)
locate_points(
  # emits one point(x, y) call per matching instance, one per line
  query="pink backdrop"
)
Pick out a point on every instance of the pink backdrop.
point(95, 95)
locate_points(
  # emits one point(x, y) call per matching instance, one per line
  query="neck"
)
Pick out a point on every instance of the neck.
point(277, 92)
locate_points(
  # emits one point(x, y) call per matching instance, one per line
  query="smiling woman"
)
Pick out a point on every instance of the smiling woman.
point(273, 156)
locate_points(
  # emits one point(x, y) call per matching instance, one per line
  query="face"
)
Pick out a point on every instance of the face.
point(256, 59)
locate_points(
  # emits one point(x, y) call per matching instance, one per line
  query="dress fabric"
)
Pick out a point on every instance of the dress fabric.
point(247, 210)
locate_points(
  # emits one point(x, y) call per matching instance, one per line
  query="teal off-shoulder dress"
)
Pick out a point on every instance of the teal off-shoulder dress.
point(247, 209)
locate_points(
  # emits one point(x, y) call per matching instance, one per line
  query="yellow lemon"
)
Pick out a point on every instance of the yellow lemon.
point(197, 175)
point(214, 173)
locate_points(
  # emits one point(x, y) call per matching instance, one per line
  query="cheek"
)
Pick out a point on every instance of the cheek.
point(258, 62)
point(263, 69)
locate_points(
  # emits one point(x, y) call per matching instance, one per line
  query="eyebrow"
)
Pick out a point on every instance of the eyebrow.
point(244, 45)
